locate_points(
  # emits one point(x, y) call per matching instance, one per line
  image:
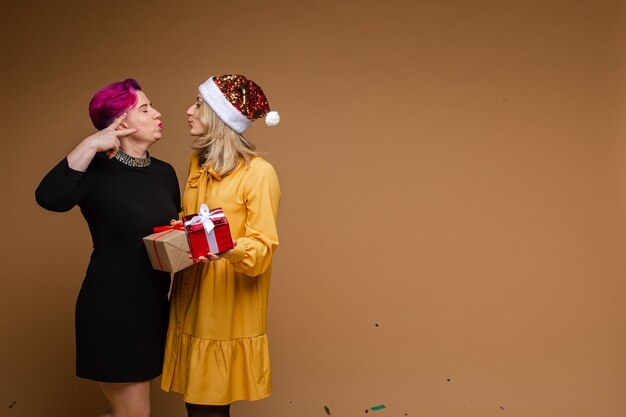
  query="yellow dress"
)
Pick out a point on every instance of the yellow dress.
point(217, 349)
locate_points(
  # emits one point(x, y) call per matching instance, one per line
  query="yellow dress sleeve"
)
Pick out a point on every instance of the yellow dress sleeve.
point(253, 253)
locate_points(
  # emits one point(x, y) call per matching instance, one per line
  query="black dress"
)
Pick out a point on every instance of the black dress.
point(122, 307)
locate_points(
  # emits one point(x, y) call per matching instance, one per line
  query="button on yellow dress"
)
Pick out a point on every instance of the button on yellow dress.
point(217, 349)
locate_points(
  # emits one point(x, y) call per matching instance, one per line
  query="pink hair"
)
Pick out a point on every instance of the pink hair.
point(112, 101)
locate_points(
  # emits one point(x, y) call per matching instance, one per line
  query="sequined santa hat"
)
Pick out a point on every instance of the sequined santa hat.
point(238, 101)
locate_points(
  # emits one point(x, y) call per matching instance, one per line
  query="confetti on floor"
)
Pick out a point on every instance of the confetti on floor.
point(327, 409)
point(377, 407)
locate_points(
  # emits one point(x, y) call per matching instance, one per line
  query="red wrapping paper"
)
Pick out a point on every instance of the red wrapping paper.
point(215, 241)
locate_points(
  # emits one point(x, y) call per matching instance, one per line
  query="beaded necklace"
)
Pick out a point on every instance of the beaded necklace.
point(131, 161)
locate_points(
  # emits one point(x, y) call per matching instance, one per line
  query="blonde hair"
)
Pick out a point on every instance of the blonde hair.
point(220, 147)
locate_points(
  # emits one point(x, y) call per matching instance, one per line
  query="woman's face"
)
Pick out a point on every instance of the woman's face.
point(196, 128)
point(145, 117)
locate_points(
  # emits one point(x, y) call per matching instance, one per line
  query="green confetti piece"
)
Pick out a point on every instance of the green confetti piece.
point(377, 407)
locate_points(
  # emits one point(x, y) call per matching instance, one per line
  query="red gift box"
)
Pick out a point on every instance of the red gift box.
point(208, 231)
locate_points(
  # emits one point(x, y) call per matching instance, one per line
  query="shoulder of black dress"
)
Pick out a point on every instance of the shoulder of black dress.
point(159, 162)
point(99, 159)
point(161, 165)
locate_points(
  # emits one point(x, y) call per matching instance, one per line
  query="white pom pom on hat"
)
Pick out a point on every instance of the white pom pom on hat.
point(272, 118)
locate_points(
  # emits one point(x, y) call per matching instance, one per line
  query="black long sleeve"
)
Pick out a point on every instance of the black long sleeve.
point(61, 189)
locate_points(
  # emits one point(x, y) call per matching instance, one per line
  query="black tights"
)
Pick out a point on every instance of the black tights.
point(198, 410)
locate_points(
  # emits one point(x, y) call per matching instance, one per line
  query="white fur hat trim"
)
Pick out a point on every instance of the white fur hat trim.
point(229, 114)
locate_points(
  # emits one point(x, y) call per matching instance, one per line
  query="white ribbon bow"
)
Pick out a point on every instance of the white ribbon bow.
point(205, 217)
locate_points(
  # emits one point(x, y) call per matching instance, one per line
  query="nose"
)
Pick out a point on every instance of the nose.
point(191, 110)
point(157, 115)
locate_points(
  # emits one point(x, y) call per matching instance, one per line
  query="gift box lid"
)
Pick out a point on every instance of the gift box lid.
point(216, 215)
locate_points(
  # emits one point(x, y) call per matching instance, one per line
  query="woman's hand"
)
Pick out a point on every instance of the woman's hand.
point(216, 256)
point(105, 140)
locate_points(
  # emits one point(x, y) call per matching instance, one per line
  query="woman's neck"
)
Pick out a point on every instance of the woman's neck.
point(134, 149)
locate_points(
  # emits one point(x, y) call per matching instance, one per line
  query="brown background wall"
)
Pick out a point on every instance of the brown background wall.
point(453, 218)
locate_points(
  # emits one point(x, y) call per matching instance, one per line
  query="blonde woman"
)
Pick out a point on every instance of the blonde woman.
point(217, 349)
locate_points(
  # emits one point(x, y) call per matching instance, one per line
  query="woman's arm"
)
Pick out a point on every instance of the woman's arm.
point(61, 188)
point(105, 140)
point(253, 253)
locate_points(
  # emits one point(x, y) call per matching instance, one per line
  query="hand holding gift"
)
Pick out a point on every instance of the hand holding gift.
point(216, 256)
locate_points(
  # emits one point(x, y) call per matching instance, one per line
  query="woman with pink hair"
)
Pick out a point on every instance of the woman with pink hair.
point(122, 192)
